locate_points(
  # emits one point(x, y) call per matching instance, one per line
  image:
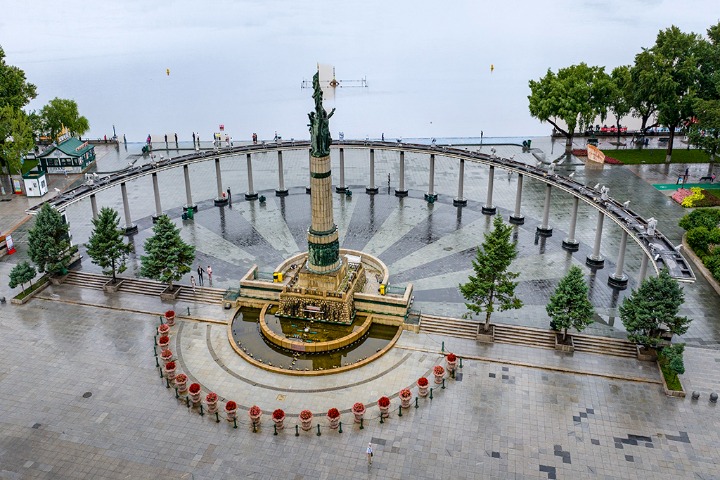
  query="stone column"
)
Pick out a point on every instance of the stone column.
point(460, 201)
point(188, 192)
point(308, 188)
point(93, 205)
point(619, 279)
point(341, 188)
point(130, 228)
point(489, 208)
point(570, 244)
point(402, 192)
point(251, 193)
point(643, 268)
point(323, 244)
point(544, 230)
point(596, 260)
point(516, 218)
point(220, 199)
point(281, 190)
point(156, 192)
point(372, 189)
point(430, 196)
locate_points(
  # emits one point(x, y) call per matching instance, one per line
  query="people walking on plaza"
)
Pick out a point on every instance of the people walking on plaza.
point(369, 453)
point(166, 139)
point(149, 139)
point(192, 282)
point(229, 195)
point(209, 272)
point(383, 136)
point(176, 142)
point(200, 272)
point(254, 138)
point(193, 138)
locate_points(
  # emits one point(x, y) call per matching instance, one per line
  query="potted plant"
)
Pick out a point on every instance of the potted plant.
point(163, 342)
point(166, 356)
point(181, 382)
point(405, 397)
point(439, 372)
point(230, 410)
point(170, 371)
point(164, 329)
point(384, 406)
point(170, 317)
point(211, 400)
point(422, 384)
point(306, 420)
point(333, 417)
point(278, 416)
point(359, 411)
point(255, 413)
point(194, 391)
point(451, 360)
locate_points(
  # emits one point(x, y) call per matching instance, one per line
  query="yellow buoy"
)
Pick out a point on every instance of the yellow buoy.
point(167, 70)
point(492, 67)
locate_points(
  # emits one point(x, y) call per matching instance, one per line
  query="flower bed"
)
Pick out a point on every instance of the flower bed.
point(681, 194)
point(613, 161)
point(580, 152)
point(384, 402)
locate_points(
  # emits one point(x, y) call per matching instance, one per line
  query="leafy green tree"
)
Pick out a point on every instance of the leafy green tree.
point(492, 283)
point(21, 274)
point(653, 305)
point(569, 305)
point(15, 93)
point(576, 95)
point(619, 101)
point(60, 112)
point(16, 138)
point(676, 60)
point(705, 132)
point(106, 246)
point(49, 244)
point(642, 95)
point(167, 258)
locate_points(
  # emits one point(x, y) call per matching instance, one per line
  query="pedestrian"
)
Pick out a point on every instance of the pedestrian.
point(687, 174)
point(176, 142)
point(200, 272)
point(193, 138)
point(712, 178)
point(192, 282)
point(232, 144)
point(209, 272)
point(388, 180)
point(105, 137)
point(166, 139)
point(229, 196)
point(369, 453)
point(276, 136)
point(149, 139)
point(383, 136)
point(124, 139)
point(254, 138)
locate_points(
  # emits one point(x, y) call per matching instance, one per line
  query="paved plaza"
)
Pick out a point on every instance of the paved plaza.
point(82, 397)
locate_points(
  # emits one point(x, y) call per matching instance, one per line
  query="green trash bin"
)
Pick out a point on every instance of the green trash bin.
point(191, 213)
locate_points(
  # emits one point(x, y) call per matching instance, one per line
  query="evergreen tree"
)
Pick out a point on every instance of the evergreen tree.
point(49, 241)
point(655, 303)
point(21, 274)
point(167, 258)
point(492, 283)
point(106, 246)
point(569, 305)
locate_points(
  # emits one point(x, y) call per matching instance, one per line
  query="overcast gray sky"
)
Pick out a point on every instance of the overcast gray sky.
point(241, 63)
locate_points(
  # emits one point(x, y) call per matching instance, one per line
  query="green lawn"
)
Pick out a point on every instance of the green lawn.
point(637, 156)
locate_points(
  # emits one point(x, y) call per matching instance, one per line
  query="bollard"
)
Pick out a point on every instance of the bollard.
point(217, 417)
point(431, 394)
point(443, 384)
point(340, 430)
point(381, 418)
point(361, 424)
point(157, 364)
point(452, 374)
point(318, 425)
point(167, 382)
point(254, 427)
point(202, 414)
point(161, 320)
point(176, 393)
point(274, 428)
point(155, 350)
point(187, 401)
point(235, 422)
point(297, 432)
point(416, 402)
point(188, 311)
point(160, 368)
point(400, 411)
point(460, 362)
point(443, 347)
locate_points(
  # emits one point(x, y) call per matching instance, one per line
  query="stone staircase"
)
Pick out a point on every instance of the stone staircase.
point(526, 336)
point(213, 296)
